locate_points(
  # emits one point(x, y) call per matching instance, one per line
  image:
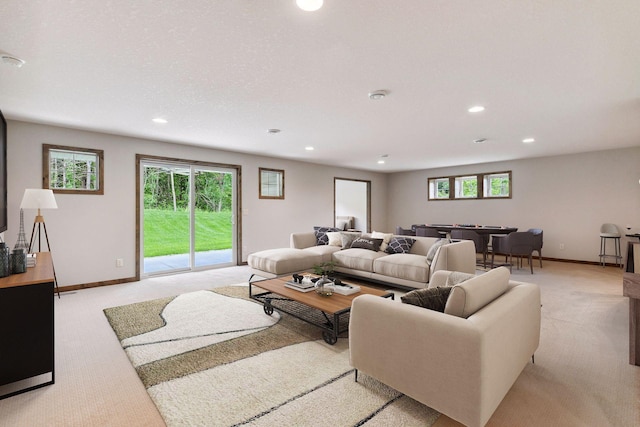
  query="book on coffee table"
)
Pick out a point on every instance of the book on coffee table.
point(298, 288)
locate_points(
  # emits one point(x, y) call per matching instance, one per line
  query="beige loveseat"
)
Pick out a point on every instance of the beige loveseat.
point(461, 362)
point(410, 270)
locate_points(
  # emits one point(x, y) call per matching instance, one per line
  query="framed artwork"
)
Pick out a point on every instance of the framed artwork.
point(271, 183)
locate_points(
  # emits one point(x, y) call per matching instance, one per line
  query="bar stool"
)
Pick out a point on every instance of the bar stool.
point(610, 231)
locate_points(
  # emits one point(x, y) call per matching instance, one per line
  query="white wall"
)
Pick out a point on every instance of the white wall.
point(569, 197)
point(89, 232)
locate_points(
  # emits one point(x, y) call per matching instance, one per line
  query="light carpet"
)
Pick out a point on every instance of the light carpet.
point(214, 358)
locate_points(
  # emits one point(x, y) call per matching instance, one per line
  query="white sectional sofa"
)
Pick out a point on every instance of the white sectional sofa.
point(460, 362)
point(409, 270)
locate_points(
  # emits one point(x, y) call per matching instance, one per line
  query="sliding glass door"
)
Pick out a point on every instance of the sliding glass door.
point(187, 216)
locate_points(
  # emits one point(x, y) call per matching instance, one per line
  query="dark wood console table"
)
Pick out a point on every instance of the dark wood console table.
point(631, 289)
point(27, 329)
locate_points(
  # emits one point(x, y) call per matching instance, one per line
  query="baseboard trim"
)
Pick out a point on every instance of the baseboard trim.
point(97, 284)
point(576, 261)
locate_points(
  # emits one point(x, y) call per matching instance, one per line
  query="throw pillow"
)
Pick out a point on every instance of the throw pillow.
point(434, 248)
point(431, 298)
point(342, 224)
point(348, 237)
point(366, 243)
point(386, 237)
point(400, 245)
point(321, 234)
point(334, 238)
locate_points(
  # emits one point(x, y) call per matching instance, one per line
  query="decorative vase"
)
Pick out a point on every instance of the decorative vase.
point(5, 268)
point(18, 261)
point(324, 286)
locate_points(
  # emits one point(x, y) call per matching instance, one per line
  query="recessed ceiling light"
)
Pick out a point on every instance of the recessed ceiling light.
point(377, 94)
point(476, 109)
point(381, 162)
point(159, 120)
point(309, 148)
point(273, 130)
point(12, 60)
point(309, 5)
point(479, 141)
point(528, 140)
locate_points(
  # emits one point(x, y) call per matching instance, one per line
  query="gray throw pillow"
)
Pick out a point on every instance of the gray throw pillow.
point(431, 298)
point(348, 237)
point(434, 248)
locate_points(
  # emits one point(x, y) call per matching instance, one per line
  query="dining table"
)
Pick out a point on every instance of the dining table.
point(480, 229)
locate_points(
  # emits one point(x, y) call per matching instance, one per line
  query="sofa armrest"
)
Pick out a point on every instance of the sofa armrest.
point(457, 256)
point(302, 240)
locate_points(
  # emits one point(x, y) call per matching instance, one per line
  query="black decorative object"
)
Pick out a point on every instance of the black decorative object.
point(18, 261)
point(5, 268)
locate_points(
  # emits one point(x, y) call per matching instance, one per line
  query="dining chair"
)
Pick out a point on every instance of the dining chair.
point(427, 232)
point(518, 243)
point(481, 242)
point(537, 242)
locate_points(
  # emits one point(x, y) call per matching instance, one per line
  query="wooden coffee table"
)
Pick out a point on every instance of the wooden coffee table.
point(331, 314)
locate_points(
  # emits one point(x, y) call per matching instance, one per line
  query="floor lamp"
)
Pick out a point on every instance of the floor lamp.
point(35, 198)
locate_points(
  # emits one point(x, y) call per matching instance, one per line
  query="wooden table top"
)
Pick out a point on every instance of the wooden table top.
point(331, 304)
point(41, 273)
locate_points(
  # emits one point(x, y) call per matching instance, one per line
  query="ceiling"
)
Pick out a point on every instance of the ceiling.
point(223, 72)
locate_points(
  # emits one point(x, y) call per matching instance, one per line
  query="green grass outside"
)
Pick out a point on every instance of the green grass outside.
point(167, 232)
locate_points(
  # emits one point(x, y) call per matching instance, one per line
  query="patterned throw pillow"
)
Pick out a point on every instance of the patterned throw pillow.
point(366, 243)
point(431, 298)
point(400, 245)
point(321, 234)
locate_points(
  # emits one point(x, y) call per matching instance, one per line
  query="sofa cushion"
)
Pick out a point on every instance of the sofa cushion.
point(357, 259)
point(431, 298)
point(434, 248)
point(403, 266)
point(321, 234)
point(348, 237)
point(386, 238)
point(400, 245)
point(325, 251)
point(473, 294)
point(367, 243)
point(283, 260)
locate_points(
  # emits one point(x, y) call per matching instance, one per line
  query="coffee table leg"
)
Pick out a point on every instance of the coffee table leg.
point(267, 307)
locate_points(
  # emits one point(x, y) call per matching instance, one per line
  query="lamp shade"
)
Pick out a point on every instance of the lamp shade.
point(36, 198)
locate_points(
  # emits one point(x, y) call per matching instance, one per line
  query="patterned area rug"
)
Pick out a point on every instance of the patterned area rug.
point(214, 358)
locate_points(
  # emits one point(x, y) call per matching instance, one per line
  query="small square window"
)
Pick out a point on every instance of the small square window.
point(271, 183)
point(466, 187)
point(497, 185)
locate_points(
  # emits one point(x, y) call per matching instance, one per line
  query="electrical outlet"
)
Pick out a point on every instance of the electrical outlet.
point(119, 262)
point(562, 246)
